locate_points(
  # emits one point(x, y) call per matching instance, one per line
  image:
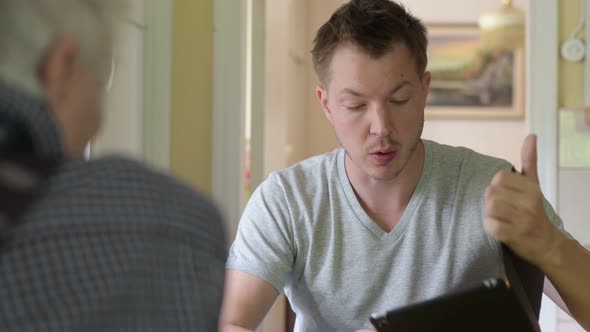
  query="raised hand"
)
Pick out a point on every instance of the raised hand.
point(515, 214)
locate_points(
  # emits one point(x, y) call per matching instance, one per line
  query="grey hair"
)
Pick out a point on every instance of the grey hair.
point(29, 27)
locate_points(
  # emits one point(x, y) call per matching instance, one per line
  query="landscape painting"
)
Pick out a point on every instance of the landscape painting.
point(469, 81)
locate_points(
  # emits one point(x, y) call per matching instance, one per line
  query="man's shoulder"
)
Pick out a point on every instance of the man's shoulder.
point(119, 171)
point(127, 189)
point(464, 158)
point(464, 169)
point(302, 180)
point(313, 167)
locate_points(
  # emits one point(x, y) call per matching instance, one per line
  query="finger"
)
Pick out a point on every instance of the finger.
point(529, 158)
point(513, 181)
point(502, 209)
point(505, 194)
point(510, 204)
point(501, 231)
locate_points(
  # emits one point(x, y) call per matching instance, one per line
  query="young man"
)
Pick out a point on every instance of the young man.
point(108, 245)
point(388, 219)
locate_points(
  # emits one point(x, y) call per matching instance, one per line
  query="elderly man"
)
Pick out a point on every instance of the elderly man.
point(108, 245)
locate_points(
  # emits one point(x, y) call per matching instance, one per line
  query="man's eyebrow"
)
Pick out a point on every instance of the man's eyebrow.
point(400, 86)
point(358, 94)
point(351, 92)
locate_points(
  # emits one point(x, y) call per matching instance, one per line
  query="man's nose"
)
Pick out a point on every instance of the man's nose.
point(380, 122)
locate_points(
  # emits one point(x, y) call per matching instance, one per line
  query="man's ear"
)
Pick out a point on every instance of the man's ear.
point(57, 70)
point(323, 97)
point(426, 79)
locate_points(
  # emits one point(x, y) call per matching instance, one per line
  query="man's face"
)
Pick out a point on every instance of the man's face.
point(376, 107)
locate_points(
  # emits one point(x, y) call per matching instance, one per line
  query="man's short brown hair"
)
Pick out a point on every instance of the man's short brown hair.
point(373, 25)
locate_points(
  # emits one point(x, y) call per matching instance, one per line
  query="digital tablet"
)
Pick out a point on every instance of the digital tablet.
point(491, 306)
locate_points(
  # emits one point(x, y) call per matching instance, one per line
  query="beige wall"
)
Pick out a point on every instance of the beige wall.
point(191, 99)
point(571, 75)
point(192, 81)
point(285, 83)
point(574, 177)
point(320, 135)
point(573, 181)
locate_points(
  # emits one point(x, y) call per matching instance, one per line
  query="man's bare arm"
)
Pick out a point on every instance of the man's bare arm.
point(515, 215)
point(553, 294)
point(246, 301)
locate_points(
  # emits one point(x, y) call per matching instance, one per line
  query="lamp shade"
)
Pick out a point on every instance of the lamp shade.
point(502, 28)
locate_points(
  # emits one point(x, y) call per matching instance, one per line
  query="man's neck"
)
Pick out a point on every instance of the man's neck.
point(386, 200)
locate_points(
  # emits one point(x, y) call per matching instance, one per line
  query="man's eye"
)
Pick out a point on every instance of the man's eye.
point(399, 101)
point(355, 107)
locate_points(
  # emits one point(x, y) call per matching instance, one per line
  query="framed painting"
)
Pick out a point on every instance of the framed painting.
point(470, 82)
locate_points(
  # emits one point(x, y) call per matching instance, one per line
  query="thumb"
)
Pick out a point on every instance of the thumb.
point(529, 158)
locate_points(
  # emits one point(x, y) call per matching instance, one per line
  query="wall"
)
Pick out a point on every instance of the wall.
point(497, 138)
point(191, 93)
point(157, 82)
point(320, 137)
point(574, 178)
point(571, 75)
point(574, 168)
point(285, 83)
point(122, 128)
point(192, 62)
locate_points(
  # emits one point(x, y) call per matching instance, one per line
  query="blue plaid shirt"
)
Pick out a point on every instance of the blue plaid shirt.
point(109, 246)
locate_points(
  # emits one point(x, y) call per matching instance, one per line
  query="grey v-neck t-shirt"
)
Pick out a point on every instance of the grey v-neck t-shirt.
point(304, 231)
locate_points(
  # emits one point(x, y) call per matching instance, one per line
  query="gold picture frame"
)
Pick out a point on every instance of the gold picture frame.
point(469, 82)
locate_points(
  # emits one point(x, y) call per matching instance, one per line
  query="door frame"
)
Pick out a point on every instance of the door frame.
point(235, 64)
point(542, 109)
